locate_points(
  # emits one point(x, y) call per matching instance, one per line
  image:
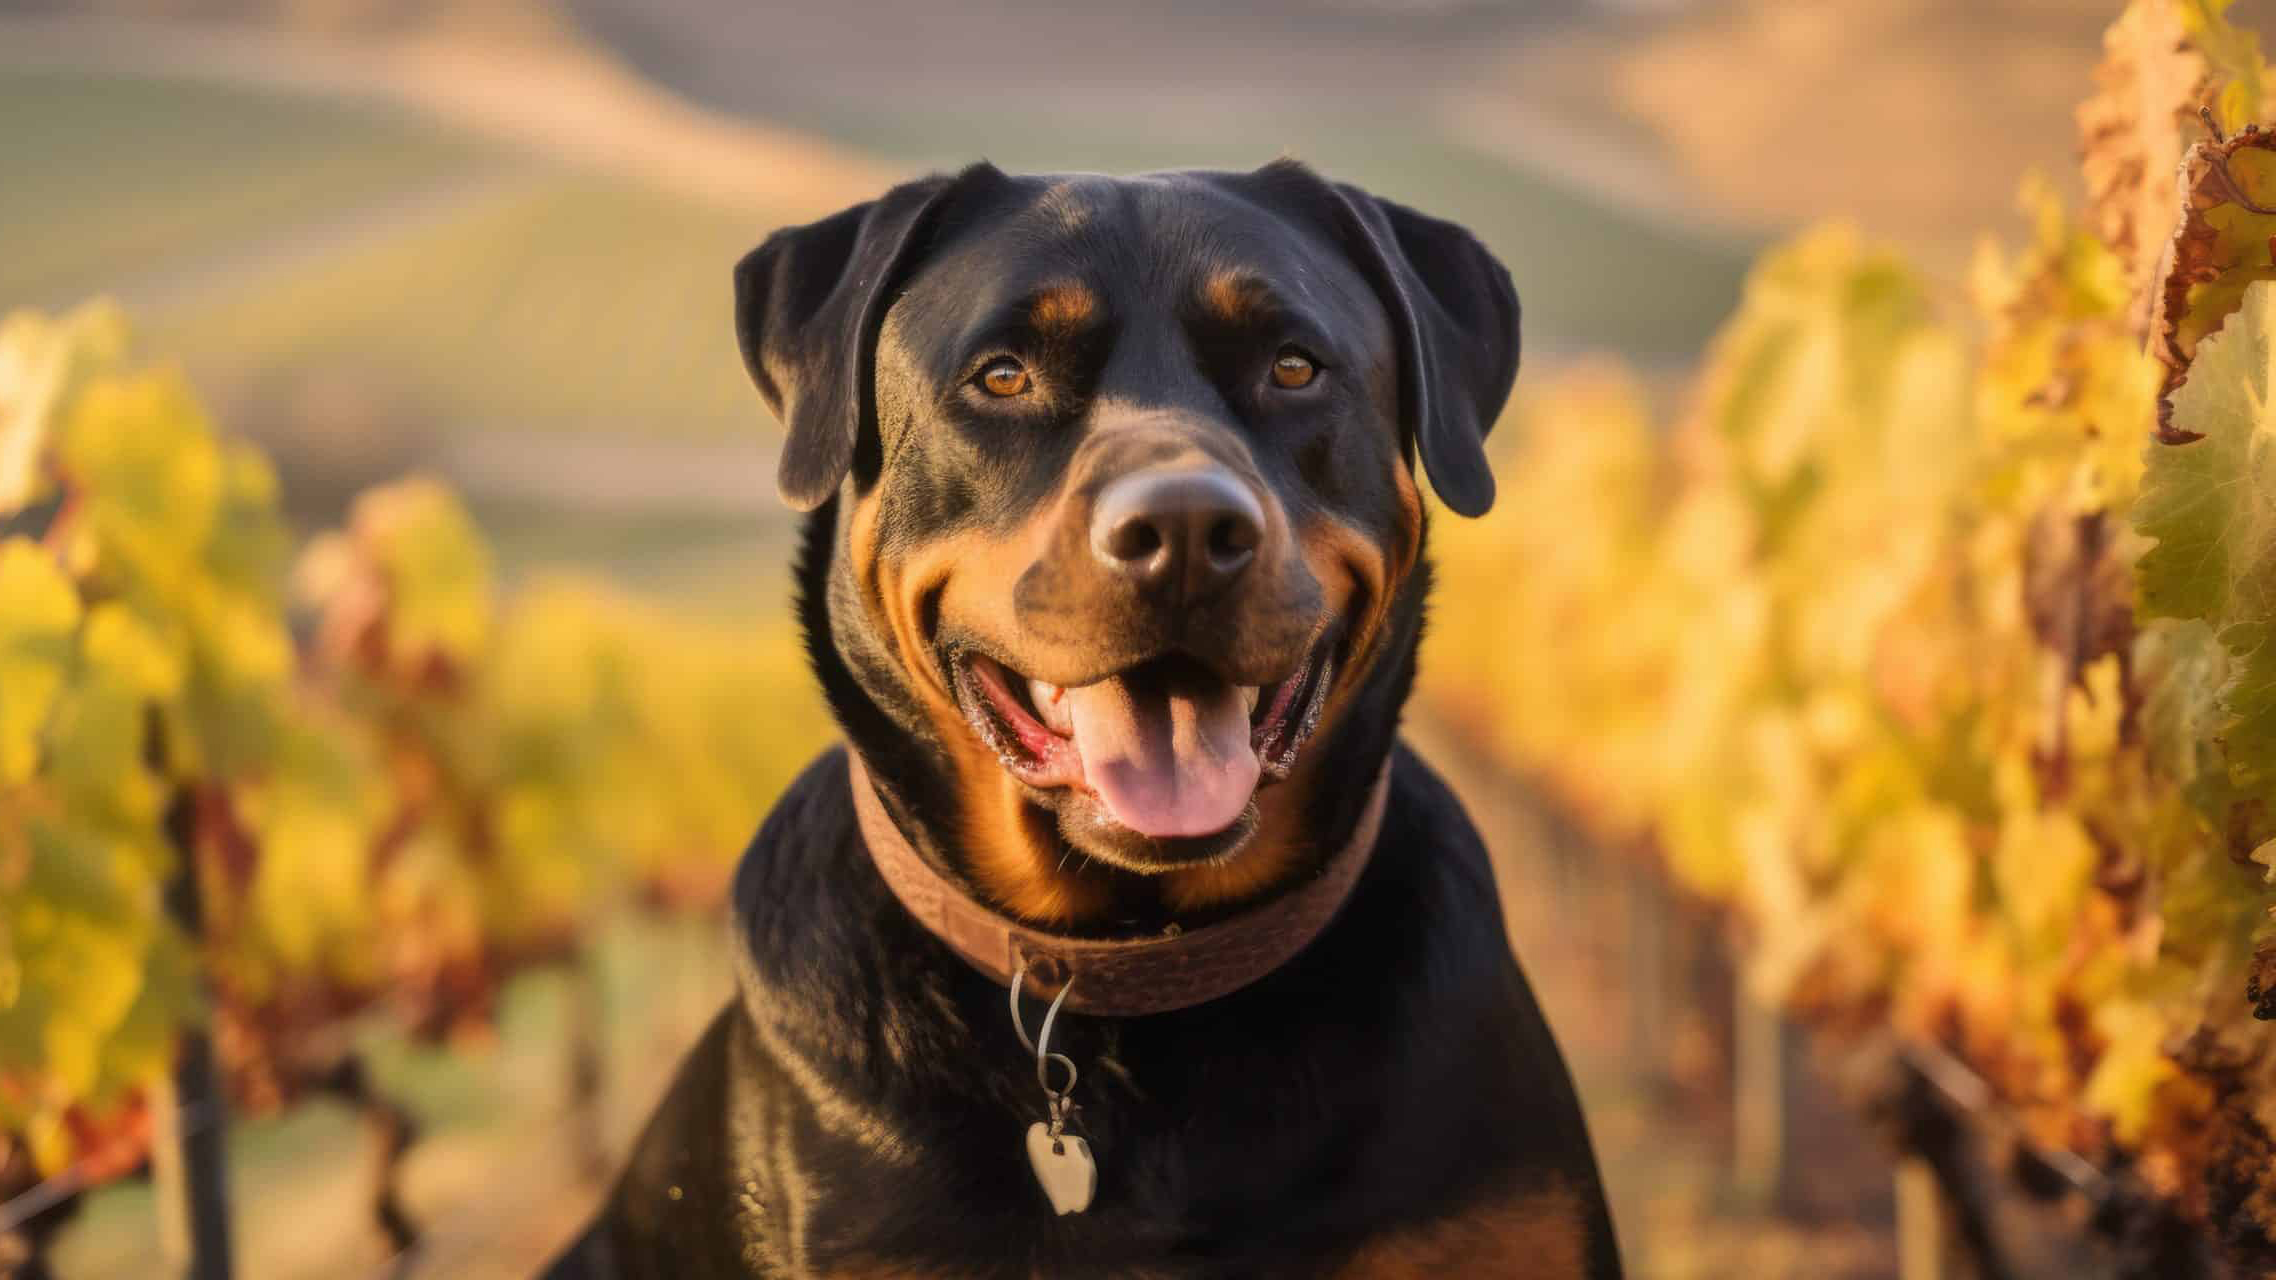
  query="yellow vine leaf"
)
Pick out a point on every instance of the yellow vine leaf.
point(145, 661)
point(141, 451)
point(38, 612)
point(1602, 702)
point(2125, 1082)
point(2234, 53)
point(315, 817)
point(2221, 248)
point(2147, 87)
point(375, 839)
point(241, 652)
point(1912, 736)
point(2061, 364)
point(81, 931)
point(434, 567)
point(42, 362)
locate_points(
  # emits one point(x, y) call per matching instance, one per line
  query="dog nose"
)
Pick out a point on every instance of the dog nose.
point(1189, 532)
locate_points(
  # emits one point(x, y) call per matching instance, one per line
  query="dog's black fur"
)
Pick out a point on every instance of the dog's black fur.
point(1391, 1101)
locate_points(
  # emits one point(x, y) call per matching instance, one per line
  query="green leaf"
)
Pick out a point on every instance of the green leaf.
point(146, 463)
point(81, 922)
point(129, 650)
point(250, 549)
point(436, 566)
point(98, 744)
point(38, 610)
point(2183, 668)
point(2234, 53)
point(315, 818)
point(2210, 504)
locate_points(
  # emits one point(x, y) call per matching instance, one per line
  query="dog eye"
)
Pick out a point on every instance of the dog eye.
point(1293, 369)
point(1005, 377)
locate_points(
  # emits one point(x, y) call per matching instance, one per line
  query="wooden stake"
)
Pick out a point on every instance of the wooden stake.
point(1758, 1104)
point(189, 1153)
point(1924, 1232)
point(587, 1082)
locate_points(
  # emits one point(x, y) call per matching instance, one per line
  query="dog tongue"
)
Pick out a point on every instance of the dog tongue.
point(1167, 753)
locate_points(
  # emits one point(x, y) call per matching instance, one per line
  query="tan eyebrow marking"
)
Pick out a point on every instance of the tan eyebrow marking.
point(1062, 308)
point(1233, 296)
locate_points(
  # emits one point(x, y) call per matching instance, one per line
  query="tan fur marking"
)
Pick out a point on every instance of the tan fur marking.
point(1062, 309)
point(1336, 551)
point(1348, 566)
point(1230, 295)
point(1015, 854)
point(1410, 522)
point(1010, 847)
point(1540, 1236)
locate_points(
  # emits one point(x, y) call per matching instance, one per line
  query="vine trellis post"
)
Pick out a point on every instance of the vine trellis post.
point(191, 1119)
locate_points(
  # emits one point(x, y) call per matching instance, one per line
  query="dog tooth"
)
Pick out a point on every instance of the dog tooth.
point(1051, 706)
point(1249, 694)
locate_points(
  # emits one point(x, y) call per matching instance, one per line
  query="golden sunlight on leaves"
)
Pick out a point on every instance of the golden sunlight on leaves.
point(2221, 247)
point(444, 788)
point(2234, 53)
point(38, 612)
point(1858, 654)
point(2147, 90)
point(42, 361)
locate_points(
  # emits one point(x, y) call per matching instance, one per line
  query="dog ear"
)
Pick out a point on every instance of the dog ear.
point(1455, 314)
point(808, 306)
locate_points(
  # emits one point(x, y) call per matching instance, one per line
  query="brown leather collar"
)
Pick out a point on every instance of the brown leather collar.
point(1118, 977)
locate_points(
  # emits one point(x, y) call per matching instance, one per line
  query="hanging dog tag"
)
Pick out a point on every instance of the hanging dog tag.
point(1063, 1165)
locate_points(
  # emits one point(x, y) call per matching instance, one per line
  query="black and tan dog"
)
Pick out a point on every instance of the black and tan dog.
point(1114, 577)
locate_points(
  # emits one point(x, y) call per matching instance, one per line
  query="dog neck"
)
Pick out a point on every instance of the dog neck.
point(1117, 977)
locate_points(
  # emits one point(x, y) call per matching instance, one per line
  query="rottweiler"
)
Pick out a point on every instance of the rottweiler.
point(1123, 937)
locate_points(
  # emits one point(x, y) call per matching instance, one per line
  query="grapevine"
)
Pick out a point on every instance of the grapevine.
point(1933, 640)
point(1936, 639)
point(437, 784)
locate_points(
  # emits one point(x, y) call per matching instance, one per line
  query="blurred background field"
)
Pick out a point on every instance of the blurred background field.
point(489, 241)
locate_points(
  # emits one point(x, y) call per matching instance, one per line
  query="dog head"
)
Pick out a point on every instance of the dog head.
point(1116, 570)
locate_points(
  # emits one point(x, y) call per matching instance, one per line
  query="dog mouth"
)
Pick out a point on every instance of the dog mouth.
point(1168, 747)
